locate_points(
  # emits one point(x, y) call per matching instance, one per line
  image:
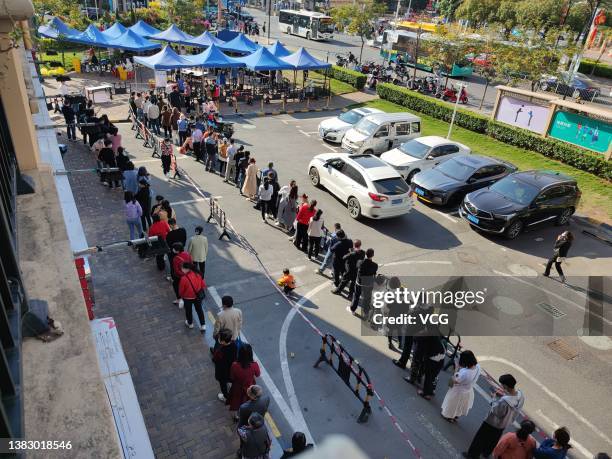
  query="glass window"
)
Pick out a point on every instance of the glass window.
point(368, 161)
point(435, 152)
point(484, 172)
point(448, 149)
point(455, 169)
point(391, 186)
point(552, 193)
point(414, 148)
point(402, 129)
point(415, 127)
point(284, 17)
point(383, 131)
point(366, 127)
point(353, 174)
point(515, 190)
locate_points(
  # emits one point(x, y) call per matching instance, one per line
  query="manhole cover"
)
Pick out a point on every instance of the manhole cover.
point(551, 310)
point(467, 257)
point(563, 349)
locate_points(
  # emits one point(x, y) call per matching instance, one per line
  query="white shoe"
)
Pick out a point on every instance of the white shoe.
point(169, 279)
point(277, 224)
point(202, 328)
point(181, 304)
point(221, 397)
point(562, 279)
point(318, 271)
point(188, 325)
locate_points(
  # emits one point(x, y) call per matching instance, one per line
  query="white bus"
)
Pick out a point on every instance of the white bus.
point(307, 24)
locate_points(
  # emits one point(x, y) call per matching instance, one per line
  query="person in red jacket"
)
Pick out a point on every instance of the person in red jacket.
point(160, 229)
point(189, 285)
point(306, 212)
point(180, 257)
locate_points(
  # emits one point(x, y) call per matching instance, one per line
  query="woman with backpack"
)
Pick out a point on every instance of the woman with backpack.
point(191, 291)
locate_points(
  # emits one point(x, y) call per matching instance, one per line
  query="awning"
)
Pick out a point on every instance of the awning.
point(240, 44)
point(263, 59)
point(143, 29)
point(213, 58)
point(130, 41)
point(303, 60)
point(205, 40)
point(166, 59)
point(278, 50)
point(91, 36)
point(56, 28)
point(114, 31)
point(173, 35)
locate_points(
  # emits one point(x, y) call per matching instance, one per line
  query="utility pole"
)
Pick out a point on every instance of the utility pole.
point(416, 53)
point(269, 14)
point(450, 127)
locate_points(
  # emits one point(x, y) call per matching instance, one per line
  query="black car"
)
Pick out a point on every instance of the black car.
point(521, 200)
point(451, 180)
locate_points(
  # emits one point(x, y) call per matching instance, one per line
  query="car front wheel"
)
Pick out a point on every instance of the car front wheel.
point(411, 175)
point(314, 177)
point(354, 208)
point(514, 229)
point(564, 217)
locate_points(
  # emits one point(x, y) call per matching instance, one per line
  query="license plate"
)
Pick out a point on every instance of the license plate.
point(397, 201)
point(472, 218)
point(419, 191)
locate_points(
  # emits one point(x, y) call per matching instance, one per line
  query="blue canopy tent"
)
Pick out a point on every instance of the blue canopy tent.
point(166, 59)
point(114, 31)
point(205, 40)
point(278, 50)
point(303, 60)
point(227, 35)
point(56, 28)
point(90, 36)
point(173, 35)
point(130, 41)
point(143, 29)
point(213, 58)
point(262, 60)
point(240, 44)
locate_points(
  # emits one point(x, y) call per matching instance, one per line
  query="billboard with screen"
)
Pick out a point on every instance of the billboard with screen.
point(522, 114)
point(582, 131)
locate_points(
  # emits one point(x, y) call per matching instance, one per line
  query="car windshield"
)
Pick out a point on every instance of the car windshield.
point(391, 186)
point(414, 148)
point(367, 127)
point(326, 26)
point(456, 170)
point(515, 190)
point(350, 117)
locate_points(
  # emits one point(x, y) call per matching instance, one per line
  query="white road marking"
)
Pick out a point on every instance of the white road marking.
point(448, 217)
point(305, 133)
point(548, 392)
point(436, 434)
point(554, 425)
point(265, 376)
point(189, 201)
point(257, 278)
point(329, 147)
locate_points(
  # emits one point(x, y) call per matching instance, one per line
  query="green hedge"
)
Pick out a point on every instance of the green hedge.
point(355, 79)
point(561, 151)
point(601, 69)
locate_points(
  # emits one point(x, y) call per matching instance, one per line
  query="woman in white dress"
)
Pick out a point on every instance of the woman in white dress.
point(460, 397)
point(249, 189)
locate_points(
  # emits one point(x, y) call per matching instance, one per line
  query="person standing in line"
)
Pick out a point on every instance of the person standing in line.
point(166, 114)
point(257, 403)
point(505, 406)
point(265, 195)
point(70, 119)
point(122, 159)
point(174, 168)
point(556, 447)
point(339, 250)
point(351, 259)
point(273, 206)
point(287, 205)
point(332, 239)
point(517, 445)
point(145, 111)
point(269, 172)
point(562, 246)
point(230, 171)
point(183, 129)
point(160, 229)
point(315, 231)
point(198, 249)
point(179, 256)
point(459, 398)
point(175, 234)
point(153, 116)
point(166, 155)
point(222, 149)
point(242, 374)
point(132, 102)
point(191, 291)
point(305, 213)
point(175, 98)
point(211, 152)
point(130, 178)
point(229, 317)
point(255, 441)
point(430, 352)
point(108, 160)
point(243, 164)
point(298, 446)
point(133, 212)
point(249, 189)
point(139, 102)
point(144, 199)
point(143, 174)
point(366, 272)
point(165, 212)
point(223, 355)
point(174, 119)
point(196, 142)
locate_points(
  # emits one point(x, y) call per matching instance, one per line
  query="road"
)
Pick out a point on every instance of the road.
point(426, 242)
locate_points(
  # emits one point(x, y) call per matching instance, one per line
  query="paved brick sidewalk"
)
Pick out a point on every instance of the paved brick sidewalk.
point(170, 366)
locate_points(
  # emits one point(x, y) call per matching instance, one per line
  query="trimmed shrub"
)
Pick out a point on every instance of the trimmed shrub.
point(601, 69)
point(566, 153)
point(355, 79)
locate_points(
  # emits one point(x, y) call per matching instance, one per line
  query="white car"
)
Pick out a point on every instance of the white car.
point(367, 185)
point(421, 154)
point(333, 129)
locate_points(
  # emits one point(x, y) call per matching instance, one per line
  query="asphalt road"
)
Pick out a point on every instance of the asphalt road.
point(426, 242)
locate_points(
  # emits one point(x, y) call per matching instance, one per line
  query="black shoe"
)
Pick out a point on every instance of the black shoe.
point(409, 380)
point(336, 291)
point(397, 363)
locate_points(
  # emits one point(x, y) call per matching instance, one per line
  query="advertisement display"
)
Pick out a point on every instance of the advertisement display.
point(161, 78)
point(522, 114)
point(582, 131)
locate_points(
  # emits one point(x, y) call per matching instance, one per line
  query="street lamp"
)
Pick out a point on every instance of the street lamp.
point(450, 127)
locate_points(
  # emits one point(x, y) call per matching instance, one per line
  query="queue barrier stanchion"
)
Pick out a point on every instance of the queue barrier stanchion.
point(218, 214)
point(139, 130)
point(346, 366)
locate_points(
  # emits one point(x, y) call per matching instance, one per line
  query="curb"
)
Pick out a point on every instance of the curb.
point(279, 112)
point(602, 230)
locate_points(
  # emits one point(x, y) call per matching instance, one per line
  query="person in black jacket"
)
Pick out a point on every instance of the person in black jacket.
point(339, 249)
point(144, 199)
point(175, 234)
point(107, 158)
point(428, 360)
point(175, 98)
point(562, 246)
point(224, 354)
point(366, 271)
point(355, 255)
point(70, 118)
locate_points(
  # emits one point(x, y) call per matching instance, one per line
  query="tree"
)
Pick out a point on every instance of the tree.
point(506, 17)
point(447, 8)
point(445, 51)
point(539, 15)
point(478, 12)
point(358, 19)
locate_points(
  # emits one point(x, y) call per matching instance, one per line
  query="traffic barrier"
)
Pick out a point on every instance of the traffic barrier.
point(85, 280)
point(218, 214)
point(347, 366)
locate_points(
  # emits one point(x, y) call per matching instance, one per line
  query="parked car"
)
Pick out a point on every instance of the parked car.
point(450, 181)
point(381, 132)
point(333, 129)
point(580, 85)
point(422, 153)
point(522, 200)
point(368, 185)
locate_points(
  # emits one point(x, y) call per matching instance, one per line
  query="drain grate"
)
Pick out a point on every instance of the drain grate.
point(551, 310)
point(563, 349)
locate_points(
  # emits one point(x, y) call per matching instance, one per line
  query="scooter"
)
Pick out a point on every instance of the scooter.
point(450, 95)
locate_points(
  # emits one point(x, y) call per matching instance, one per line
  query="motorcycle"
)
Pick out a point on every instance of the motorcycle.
point(450, 95)
point(341, 61)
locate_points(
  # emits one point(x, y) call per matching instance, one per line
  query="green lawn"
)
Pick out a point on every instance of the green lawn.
point(596, 199)
point(68, 57)
point(337, 87)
